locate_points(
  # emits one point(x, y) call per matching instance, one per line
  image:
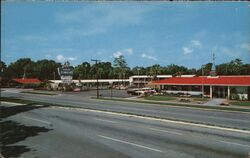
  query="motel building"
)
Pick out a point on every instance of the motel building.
point(230, 87)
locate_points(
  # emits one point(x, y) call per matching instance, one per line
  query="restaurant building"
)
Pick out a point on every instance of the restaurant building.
point(231, 87)
point(24, 82)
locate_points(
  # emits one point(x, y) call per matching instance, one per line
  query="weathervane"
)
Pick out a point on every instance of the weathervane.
point(213, 59)
point(213, 70)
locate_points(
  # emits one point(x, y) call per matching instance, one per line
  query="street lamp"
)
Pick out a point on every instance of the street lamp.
point(138, 71)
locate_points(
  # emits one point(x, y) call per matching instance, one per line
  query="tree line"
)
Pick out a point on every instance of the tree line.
point(47, 69)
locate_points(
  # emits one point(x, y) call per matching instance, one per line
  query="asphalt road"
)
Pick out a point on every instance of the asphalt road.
point(70, 133)
point(219, 118)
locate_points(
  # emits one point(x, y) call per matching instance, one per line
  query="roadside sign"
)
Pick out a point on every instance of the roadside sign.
point(66, 73)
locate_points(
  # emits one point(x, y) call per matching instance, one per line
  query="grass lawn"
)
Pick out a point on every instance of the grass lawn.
point(241, 103)
point(42, 93)
point(159, 98)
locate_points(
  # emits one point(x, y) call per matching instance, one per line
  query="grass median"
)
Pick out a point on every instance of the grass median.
point(224, 108)
point(159, 98)
point(41, 93)
point(241, 103)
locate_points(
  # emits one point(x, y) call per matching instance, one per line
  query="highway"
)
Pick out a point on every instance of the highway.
point(219, 118)
point(72, 132)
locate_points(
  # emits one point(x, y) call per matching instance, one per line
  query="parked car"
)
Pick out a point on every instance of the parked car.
point(133, 91)
point(121, 87)
point(77, 90)
point(141, 91)
point(148, 90)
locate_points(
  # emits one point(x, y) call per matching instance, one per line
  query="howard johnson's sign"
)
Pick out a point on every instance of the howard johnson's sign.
point(66, 73)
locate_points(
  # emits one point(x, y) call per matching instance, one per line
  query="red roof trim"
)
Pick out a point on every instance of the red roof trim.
point(27, 80)
point(219, 80)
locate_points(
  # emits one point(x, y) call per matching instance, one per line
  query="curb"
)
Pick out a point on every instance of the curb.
point(212, 108)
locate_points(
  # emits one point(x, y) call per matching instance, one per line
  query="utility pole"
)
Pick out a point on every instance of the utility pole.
point(97, 76)
point(138, 73)
point(24, 73)
point(54, 76)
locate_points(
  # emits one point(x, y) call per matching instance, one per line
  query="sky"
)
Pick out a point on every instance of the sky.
point(146, 33)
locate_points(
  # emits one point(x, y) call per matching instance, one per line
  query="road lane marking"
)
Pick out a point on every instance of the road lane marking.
point(157, 119)
point(234, 143)
point(42, 121)
point(154, 129)
point(105, 120)
point(125, 142)
point(171, 132)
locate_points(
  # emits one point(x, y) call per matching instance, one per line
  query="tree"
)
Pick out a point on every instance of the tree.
point(138, 70)
point(46, 69)
point(3, 67)
point(20, 67)
point(105, 70)
point(234, 67)
point(175, 70)
point(206, 69)
point(120, 66)
point(82, 71)
point(154, 71)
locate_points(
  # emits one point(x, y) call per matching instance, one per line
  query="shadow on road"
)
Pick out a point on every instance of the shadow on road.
point(13, 132)
point(9, 111)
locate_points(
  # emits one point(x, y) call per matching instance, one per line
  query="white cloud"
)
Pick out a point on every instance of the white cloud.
point(146, 56)
point(196, 43)
point(245, 46)
point(61, 58)
point(117, 54)
point(191, 46)
point(127, 51)
point(187, 50)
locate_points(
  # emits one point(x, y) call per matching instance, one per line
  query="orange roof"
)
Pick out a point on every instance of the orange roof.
point(27, 80)
point(207, 80)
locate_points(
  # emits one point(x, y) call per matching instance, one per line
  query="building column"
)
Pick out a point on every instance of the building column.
point(228, 92)
point(211, 92)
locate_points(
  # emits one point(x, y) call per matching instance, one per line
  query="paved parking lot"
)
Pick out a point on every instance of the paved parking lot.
point(103, 93)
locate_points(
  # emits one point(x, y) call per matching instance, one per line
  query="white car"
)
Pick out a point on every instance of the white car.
point(148, 90)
